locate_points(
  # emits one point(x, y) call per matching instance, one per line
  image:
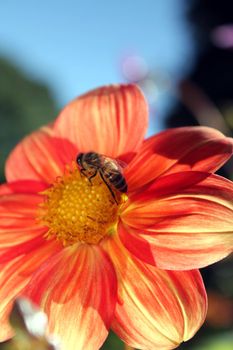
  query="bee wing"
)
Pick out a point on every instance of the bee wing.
point(113, 165)
point(121, 164)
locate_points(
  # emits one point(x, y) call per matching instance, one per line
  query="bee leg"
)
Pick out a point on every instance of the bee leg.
point(111, 191)
point(93, 175)
point(82, 171)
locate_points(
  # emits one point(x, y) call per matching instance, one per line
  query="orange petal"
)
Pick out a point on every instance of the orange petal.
point(40, 156)
point(111, 120)
point(18, 213)
point(77, 289)
point(179, 149)
point(156, 309)
point(22, 186)
point(182, 221)
point(15, 275)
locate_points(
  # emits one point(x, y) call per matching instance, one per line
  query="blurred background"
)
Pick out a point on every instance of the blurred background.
point(179, 52)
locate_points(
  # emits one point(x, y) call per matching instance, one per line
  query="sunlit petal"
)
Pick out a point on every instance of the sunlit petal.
point(156, 309)
point(179, 149)
point(40, 156)
point(15, 275)
point(103, 119)
point(183, 221)
point(77, 290)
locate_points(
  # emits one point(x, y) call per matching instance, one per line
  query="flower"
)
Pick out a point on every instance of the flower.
point(91, 262)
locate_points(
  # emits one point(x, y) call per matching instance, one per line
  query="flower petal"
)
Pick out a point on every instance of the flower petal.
point(156, 308)
point(22, 186)
point(111, 120)
point(22, 246)
point(182, 221)
point(15, 275)
point(40, 156)
point(18, 214)
point(77, 290)
point(179, 149)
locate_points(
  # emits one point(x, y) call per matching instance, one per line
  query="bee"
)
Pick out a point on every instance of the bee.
point(109, 169)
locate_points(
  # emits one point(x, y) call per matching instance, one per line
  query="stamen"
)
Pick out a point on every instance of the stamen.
point(75, 210)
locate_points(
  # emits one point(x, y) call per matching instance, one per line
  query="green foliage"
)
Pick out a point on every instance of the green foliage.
point(25, 105)
point(112, 343)
point(223, 342)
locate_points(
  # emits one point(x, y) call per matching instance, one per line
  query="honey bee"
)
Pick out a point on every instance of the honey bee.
point(109, 169)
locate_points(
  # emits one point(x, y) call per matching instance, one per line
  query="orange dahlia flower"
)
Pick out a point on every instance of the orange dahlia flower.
point(95, 261)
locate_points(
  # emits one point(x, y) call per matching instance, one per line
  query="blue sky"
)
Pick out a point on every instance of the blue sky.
point(74, 46)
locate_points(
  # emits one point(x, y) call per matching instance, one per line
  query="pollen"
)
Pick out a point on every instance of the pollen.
point(76, 209)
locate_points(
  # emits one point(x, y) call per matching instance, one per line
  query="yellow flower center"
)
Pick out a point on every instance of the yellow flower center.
point(77, 210)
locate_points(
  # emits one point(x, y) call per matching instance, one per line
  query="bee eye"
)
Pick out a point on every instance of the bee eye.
point(79, 157)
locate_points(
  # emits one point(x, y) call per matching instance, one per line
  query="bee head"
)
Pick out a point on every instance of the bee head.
point(79, 159)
